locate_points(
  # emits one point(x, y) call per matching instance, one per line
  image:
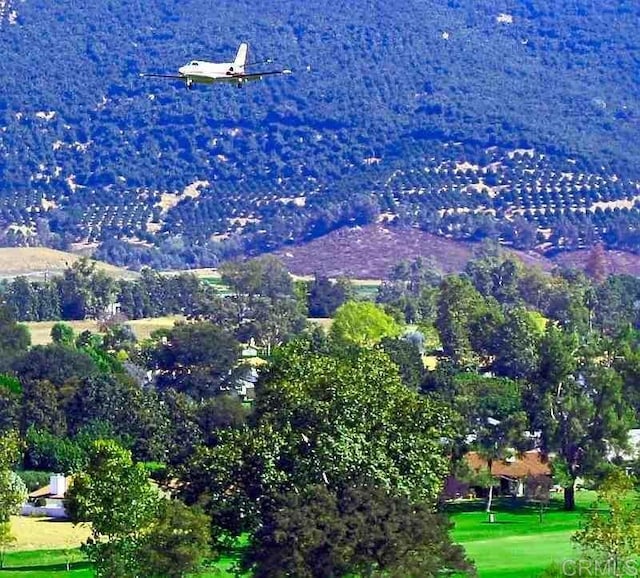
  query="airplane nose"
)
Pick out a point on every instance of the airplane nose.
point(182, 70)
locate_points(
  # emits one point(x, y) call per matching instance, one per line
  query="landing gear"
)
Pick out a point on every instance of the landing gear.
point(189, 84)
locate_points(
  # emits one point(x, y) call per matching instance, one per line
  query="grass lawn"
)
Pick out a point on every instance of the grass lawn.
point(45, 563)
point(517, 544)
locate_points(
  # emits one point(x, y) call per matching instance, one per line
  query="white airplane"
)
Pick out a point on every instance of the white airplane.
point(204, 72)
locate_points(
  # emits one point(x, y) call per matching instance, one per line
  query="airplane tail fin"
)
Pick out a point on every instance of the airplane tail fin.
point(241, 56)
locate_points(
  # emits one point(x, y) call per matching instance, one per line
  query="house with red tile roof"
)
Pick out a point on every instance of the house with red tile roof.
point(512, 472)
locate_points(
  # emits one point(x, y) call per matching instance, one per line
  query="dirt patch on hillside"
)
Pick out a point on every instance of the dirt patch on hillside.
point(371, 252)
point(616, 262)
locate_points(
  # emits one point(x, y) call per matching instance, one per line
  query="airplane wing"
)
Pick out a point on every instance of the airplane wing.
point(176, 76)
point(259, 75)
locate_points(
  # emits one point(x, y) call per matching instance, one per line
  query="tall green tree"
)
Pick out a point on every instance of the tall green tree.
point(199, 359)
point(496, 276)
point(264, 304)
point(177, 541)
point(22, 300)
point(325, 418)
point(459, 306)
point(325, 296)
point(11, 401)
point(517, 345)
point(85, 291)
point(578, 404)
point(115, 496)
point(406, 355)
point(15, 339)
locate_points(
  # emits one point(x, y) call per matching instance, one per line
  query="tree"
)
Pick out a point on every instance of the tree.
point(11, 401)
point(48, 452)
point(496, 276)
point(63, 334)
point(84, 290)
point(55, 363)
point(406, 355)
point(176, 543)
point(611, 532)
point(324, 418)
point(459, 305)
point(14, 338)
point(116, 497)
point(361, 530)
point(13, 492)
point(22, 300)
point(264, 303)
point(43, 407)
point(517, 345)
point(198, 359)
point(125, 409)
point(579, 406)
point(362, 323)
point(325, 296)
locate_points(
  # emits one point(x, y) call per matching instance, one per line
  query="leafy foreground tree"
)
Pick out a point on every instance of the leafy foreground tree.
point(356, 530)
point(116, 497)
point(135, 532)
point(611, 533)
point(13, 492)
point(333, 418)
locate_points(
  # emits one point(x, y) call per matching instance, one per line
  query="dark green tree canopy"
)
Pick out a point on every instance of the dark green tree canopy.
point(356, 530)
point(199, 359)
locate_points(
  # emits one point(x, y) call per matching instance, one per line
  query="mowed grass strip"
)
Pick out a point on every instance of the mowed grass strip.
point(521, 556)
point(518, 544)
point(46, 563)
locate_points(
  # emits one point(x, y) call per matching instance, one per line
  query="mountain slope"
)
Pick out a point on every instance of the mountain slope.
point(92, 152)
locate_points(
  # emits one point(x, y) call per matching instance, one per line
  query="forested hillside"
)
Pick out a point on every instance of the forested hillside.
point(513, 120)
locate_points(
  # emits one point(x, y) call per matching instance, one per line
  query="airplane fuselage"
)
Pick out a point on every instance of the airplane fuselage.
point(204, 72)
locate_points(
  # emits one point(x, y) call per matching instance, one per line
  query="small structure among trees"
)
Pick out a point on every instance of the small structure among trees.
point(509, 474)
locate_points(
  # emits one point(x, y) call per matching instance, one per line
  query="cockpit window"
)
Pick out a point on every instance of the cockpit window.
point(194, 63)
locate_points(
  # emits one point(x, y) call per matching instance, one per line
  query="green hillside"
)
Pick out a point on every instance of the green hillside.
point(515, 120)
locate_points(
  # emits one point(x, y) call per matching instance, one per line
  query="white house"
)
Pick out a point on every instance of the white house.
point(49, 500)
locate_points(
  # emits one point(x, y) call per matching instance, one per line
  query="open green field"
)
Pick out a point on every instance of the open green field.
point(516, 545)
